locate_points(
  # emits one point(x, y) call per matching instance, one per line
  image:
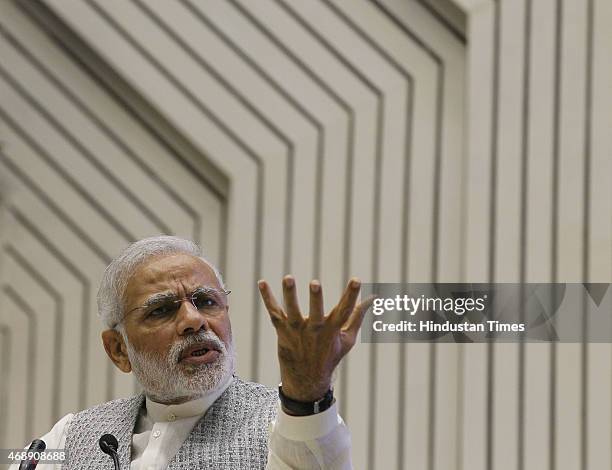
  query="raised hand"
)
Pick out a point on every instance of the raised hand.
point(310, 348)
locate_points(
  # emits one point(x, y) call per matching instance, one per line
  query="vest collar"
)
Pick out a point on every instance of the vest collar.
point(158, 412)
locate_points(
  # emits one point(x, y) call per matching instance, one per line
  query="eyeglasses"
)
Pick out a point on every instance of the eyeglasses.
point(207, 300)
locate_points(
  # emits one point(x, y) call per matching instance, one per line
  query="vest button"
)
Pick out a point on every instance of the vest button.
point(156, 433)
point(171, 417)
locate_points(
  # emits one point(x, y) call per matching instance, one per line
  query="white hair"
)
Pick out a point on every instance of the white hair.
point(117, 275)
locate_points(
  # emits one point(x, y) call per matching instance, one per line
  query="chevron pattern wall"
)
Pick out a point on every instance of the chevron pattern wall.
point(394, 140)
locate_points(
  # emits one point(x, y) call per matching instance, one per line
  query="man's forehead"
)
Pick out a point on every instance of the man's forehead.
point(165, 272)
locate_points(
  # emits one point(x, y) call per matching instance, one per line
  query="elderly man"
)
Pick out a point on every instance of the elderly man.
point(167, 313)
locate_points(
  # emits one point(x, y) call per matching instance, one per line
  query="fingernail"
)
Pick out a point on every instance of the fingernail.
point(355, 283)
point(315, 286)
point(289, 281)
point(260, 283)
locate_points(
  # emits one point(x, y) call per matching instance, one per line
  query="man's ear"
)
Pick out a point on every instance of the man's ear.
point(116, 349)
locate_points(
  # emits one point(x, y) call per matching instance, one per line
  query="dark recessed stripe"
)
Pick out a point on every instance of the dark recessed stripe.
point(586, 231)
point(524, 190)
point(554, 243)
point(343, 398)
point(588, 119)
point(200, 15)
point(556, 113)
point(72, 182)
point(459, 35)
point(492, 227)
point(278, 133)
point(5, 377)
point(405, 205)
point(230, 133)
point(435, 258)
point(31, 227)
point(103, 128)
point(58, 324)
point(460, 425)
point(523, 240)
point(490, 402)
point(494, 143)
point(29, 350)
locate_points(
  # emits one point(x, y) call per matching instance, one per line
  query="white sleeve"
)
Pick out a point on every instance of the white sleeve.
point(54, 439)
point(320, 441)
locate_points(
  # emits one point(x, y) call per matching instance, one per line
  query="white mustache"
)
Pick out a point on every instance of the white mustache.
point(210, 339)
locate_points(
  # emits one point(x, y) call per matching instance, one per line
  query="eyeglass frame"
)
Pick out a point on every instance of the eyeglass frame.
point(197, 291)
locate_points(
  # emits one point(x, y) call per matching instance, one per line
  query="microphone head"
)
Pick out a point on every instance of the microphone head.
point(108, 444)
point(38, 445)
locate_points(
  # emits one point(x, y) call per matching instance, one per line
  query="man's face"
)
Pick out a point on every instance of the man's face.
point(177, 351)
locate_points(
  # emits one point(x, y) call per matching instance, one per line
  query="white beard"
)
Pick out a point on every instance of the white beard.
point(164, 380)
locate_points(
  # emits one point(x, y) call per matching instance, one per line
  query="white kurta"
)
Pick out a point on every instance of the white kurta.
point(319, 441)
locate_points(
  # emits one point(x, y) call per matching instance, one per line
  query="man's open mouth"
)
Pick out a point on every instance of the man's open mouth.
point(200, 353)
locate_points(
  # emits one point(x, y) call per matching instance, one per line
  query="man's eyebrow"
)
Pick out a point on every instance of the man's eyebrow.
point(205, 290)
point(160, 297)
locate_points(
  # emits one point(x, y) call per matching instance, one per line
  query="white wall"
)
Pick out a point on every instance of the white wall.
point(325, 139)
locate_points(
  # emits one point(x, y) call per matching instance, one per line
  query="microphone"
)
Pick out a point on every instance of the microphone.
point(37, 445)
point(109, 445)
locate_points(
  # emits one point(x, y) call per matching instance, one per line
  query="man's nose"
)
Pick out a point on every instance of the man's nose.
point(190, 320)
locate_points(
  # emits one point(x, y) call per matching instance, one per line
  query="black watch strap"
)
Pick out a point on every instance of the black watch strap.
point(306, 408)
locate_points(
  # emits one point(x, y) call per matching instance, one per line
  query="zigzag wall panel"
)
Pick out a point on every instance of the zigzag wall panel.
point(328, 139)
point(81, 178)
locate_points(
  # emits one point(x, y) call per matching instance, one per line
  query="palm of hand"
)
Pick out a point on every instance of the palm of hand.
point(310, 348)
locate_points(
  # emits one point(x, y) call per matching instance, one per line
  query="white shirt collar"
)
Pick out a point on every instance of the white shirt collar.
point(158, 412)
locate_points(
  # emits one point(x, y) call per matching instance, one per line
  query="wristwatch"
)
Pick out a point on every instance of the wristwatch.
point(306, 408)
